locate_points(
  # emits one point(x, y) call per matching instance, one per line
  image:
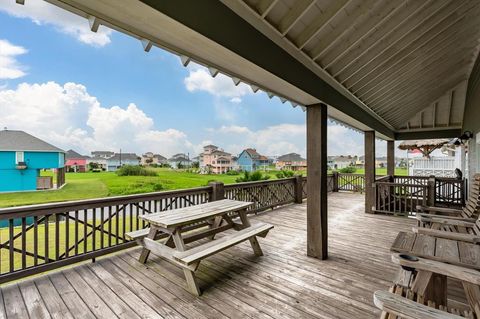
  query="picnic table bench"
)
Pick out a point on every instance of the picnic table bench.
point(174, 227)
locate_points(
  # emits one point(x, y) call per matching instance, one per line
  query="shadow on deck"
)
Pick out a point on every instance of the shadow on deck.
point(284, 283)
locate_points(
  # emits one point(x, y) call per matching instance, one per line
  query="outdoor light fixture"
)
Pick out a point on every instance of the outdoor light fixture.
point(463, 138)
point(466, 136)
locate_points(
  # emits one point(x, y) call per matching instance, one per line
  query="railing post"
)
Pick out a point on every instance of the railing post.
point(298, 189)
point(335, 181)
point(431, 191)
point(218, 191)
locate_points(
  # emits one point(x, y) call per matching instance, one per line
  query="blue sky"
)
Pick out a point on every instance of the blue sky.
point(87, 91)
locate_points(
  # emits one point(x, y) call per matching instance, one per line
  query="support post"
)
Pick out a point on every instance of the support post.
point(218, 191)
point(298, 189)
point(317, 245)
point(391, 158)
point(335, 181)
point(431, 191)
point(369, 171)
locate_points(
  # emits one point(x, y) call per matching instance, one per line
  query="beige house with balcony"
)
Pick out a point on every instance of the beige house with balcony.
point(215, 161)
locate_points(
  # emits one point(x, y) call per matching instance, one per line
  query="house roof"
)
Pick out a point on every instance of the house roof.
point(71, 154)
point(255, 155)
point(124, 157)
point(291, 157)
point(22, 141)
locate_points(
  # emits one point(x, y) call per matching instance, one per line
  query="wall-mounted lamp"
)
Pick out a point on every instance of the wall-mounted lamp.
point(463, 138)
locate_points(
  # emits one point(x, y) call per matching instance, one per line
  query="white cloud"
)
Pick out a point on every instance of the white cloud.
point(43, 13)
point(67, 116)
point(199, 79)
point(10, 68)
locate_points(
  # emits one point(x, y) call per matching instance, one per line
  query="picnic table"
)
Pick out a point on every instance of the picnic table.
point(433, 259)
point(182, 226)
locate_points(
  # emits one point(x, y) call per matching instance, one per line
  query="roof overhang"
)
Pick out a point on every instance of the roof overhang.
point(256, 42)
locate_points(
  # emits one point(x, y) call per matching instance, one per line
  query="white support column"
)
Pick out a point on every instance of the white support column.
point(317, 235)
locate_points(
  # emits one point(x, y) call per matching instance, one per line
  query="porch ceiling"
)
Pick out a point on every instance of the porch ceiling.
point(396, 66)
point(407, 61)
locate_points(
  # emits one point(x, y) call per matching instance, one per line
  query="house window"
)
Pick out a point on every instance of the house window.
point(19, 157)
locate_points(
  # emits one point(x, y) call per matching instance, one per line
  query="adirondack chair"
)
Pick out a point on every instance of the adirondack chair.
point(409, 296)
point(459, 224)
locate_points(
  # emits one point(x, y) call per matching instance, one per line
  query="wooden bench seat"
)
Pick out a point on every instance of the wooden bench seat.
point(137, 234)
point(198, 253)
point(404, 303)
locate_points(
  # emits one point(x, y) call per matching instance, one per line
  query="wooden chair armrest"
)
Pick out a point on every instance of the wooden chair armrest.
point(469, 238)
point(453, 271)
point(420, 216)
point(440, 210)
point(448, 221)
point(405, 308)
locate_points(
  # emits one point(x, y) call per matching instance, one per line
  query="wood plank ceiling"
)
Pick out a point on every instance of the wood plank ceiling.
point(408, 61)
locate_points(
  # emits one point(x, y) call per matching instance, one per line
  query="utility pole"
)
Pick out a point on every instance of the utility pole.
point(120, 157)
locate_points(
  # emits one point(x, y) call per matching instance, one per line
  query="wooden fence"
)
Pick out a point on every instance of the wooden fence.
point(400, 195)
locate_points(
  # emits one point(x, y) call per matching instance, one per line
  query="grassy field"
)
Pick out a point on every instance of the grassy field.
point(96, 185)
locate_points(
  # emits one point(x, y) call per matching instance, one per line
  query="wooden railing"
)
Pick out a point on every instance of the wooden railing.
point(38, 238)
point(42, 237)
point(400, 195)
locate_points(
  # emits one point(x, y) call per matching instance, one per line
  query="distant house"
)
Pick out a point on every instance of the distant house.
point(153, 159)
point(100, 162)
point(102, 154)
point(215, 160)
point(76, 162)
point(339, 162)
point(22, 156)
point(249, 160)
point(120, 159)
point(179, 160)
point(291, 161)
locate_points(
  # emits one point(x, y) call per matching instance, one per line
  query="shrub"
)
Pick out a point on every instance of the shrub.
point(348, 170)
point(252, 177)
point(233, 173)
point(134, 170)
point(285, 174)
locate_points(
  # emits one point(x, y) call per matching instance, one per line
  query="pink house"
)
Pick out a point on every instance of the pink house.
point(75, 162)
point(213, 160)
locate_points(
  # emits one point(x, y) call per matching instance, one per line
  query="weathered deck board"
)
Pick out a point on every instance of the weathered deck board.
point(284, 283)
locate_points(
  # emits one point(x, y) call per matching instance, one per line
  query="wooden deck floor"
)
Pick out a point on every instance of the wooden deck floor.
point(282, 284)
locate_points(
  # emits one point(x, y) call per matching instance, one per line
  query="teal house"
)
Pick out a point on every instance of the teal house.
point(249, 160)
point(22, 157)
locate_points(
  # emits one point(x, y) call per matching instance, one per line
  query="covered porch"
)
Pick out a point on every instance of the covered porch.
point(284, 283)
point(394, 70)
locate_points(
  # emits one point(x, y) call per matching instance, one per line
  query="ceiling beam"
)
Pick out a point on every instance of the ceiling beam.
point(355, 15)
point(362, 32)
point(388, 39)
point(294, 15)
point(240, 37)
point(264, 26)
point(428, 70)
point(264, 7)
point(442, 18)
point(432, 134)
point(320, 21)
point(441, 43)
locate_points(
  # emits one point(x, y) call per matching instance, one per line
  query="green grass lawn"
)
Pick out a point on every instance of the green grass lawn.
point(96, 185)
